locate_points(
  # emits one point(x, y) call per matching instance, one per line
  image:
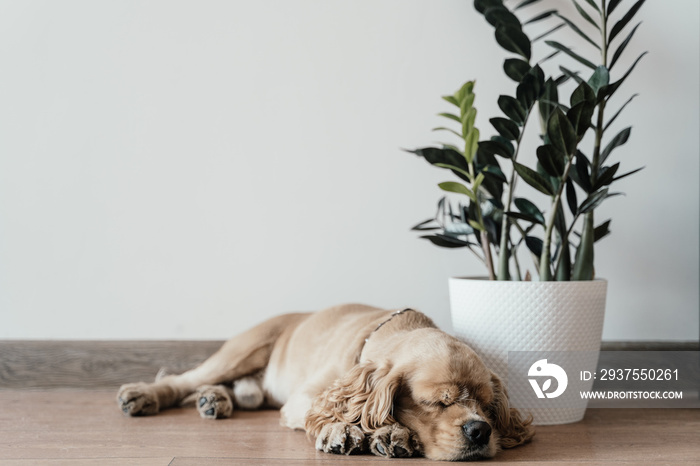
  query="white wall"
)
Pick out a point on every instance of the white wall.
point(187, 169)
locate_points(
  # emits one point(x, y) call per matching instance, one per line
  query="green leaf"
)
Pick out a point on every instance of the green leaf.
point(601, 231)
point(525, 3)
point(477, 182)
point(571, 196)
point(458, 229)
point(537, 72)
point(495, 172)
point(619, 139)
point(467, 175)
point(496, 148)
point(571, 74)
point(582, 176)
point(620, 25)
point(516, 68)
point(442, 128)
point(512, 109)
point(506, 128)
point(476, 225)
point(570, 53)
point(628, 174)
point(500, 16)
point(612, 5)
point(623, 45)
point(535, 245)
point(466, 104)
point(494, 187)
point(513, 40)
point(482, 5)
point(549, 57)
point(580, 117)
point(451, 117)
point(541, 16)
point(593, 201)
point(555, 105)
point(465, 92)
point(551, 160)
point(422, 226)
point(459, 188)
point(528, 208)
point(561, 133)
point(549, 94)
point(534, 179)
point(583, 93)
point(560, 221)
point(599, 78)
point(578, 31)
point(468, 121)
point(609, 90)
point(436, 156)
point(452, 147)
point(606, 176)
point(445, 241)
point(545, 34)
point(471, 145)
point(618, 112)
point(592, 3)
point(451, 100)
point(585, 15)
point(521, 216)
point(528, 91)
point(504, 142)
point(483, 158)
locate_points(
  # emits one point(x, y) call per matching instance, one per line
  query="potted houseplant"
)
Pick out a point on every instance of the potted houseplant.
point(561, 306)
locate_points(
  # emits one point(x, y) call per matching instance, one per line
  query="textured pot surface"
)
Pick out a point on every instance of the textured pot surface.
point(495, 317)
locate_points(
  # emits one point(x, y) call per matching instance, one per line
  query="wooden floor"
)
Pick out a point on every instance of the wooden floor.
point(73, 427)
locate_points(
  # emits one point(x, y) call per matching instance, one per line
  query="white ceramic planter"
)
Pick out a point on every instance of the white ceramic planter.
point(495, 317)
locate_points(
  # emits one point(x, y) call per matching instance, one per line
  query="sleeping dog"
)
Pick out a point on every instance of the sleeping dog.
point(355, 378)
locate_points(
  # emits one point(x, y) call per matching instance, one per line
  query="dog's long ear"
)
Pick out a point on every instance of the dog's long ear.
point(514, 429)
point(365, 396)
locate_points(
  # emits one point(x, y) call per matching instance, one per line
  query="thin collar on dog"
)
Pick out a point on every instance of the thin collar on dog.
point(386, 321)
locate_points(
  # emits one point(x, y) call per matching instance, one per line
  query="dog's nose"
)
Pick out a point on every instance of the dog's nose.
point(477, 432)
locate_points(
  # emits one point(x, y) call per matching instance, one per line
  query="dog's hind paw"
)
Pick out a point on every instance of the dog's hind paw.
point(341, 439)
point(248, 392)
point(137, 399)
point(214, 401)
point(394, 441)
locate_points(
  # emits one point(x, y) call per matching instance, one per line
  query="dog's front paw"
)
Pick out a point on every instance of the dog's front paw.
point(394, 441)
point(214, 402)
point(137, 399)
point(341, 439)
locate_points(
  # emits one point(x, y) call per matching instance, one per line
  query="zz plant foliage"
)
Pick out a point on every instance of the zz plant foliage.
point(492, 222)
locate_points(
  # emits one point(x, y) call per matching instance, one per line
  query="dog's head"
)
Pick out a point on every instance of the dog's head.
point(436, 386)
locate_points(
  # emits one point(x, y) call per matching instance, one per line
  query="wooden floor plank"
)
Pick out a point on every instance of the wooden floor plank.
point(165, 461)
point(85, 427)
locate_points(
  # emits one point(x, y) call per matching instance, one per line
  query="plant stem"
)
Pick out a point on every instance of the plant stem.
point(486, 246)
point(545, 266)
point(518, 276)
point(503, 273)
point(562, 270)
point(583, 268)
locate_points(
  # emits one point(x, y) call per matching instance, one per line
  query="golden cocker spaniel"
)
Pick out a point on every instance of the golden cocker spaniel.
point(355, 378)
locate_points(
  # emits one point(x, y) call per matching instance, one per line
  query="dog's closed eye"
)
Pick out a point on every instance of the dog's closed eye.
point(435, 404)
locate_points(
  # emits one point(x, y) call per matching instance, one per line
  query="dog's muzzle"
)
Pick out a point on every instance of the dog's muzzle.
point(477, 432)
